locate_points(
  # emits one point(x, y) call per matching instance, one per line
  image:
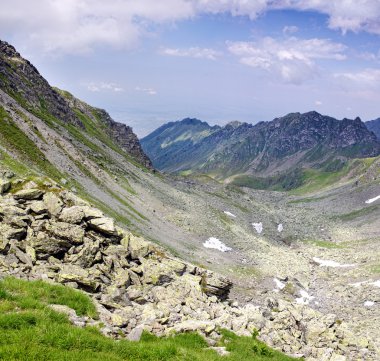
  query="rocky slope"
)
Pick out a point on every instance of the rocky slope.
point(267, 148)
point(49, 233)
point(22, 81)
point(374, 126)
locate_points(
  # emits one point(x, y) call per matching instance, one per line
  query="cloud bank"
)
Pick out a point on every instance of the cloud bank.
point(78, 26)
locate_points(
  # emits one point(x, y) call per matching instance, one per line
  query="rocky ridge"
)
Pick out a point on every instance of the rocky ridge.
point(49, 233)
point(266, 148)
point(22, 81)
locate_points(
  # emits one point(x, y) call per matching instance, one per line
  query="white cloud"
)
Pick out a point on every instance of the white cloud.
point(366, 79)
point(290, 29)
point(194, 52)
point(345, 15)
point(318, 103)
point(97, 87)
point(292, 60)
point(149, 91)
point(78, 26)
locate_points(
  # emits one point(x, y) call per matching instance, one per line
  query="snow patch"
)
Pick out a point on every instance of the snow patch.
point(280, 228)
point(328, 263)
point(229, 214)
point(376, 283)
point(215, 243)
point(279, 285)
point(369, 201)
point(305, 298)
point(368, 303)
point(258, 227)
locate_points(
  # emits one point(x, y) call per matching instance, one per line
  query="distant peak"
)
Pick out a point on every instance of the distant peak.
point(234, 124)
point(191, 121)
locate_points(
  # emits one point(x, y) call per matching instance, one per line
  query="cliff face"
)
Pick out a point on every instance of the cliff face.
point(22, 81)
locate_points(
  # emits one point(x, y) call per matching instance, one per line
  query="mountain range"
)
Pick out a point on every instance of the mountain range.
point(286, 145)
point(81, 204)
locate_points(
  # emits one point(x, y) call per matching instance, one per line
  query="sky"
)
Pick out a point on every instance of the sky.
point(148, 62)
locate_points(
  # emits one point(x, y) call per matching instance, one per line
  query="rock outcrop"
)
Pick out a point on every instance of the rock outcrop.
point(49, 233)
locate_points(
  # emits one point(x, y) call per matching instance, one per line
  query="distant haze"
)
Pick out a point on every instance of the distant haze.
point(148, 62)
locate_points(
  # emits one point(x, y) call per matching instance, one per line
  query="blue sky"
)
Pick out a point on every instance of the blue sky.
point(148, 62)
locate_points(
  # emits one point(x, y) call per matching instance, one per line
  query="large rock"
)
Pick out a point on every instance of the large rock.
point(53, 203)
point(138, 247)
point(161, 271)
point(71, 273)
point(45, 245)
point(213, 284)
point(73, 233)
point(72, 215)
point(103, 225)
point(5, 185)
point(28, 194)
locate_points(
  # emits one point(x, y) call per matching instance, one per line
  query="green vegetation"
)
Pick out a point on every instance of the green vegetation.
point(280, 182)
point(325, 244)
point(32, 331)
point(358, 213)
point(14, 139)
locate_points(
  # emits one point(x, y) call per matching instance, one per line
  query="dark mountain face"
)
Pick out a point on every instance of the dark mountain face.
point(292, 141)
point(22, 81)
point(374, 126)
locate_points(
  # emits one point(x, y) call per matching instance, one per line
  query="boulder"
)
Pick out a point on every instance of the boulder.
point(45, 245)
point(5, 185)
point(159, 272)
point(138, 247)
point(73, 233)
point(73, 215)
point(103, 225)
point(28, 194)
point(53, 203)
point(213, 284)
point(38, 207)
point(72, 273)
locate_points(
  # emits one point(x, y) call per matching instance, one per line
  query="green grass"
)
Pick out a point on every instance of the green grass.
point(32, 331)
point(14, 139)
point(358, 213)
point(325, 244)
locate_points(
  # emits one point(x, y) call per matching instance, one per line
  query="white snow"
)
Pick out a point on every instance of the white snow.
point(369, 303)
point(358, 284)
point(215, 243)
point(258, 227)
point(376, 283)
point(280, 228)
point(229, 214)
point(305, 298)
point(369, 201)
point(328, 263)
point(279, 285)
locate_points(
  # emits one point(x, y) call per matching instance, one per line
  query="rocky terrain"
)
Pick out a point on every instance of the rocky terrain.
point(292, 142)
point(374, 126)
point(49, 233)
point(294, 258)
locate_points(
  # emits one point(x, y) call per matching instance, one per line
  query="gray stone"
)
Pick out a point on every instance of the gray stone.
point(53, 203)
point(5, 185)
point(28, 194)
point(103, 225)
point(38, 207)
point(72, 215)
point(136, 333)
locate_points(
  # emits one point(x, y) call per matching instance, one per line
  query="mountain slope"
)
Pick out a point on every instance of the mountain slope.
point(294, 141)
point(374, 126)
point(22, 81)
point(187, 215)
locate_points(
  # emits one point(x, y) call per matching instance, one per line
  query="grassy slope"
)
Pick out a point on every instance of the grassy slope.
point(31, 331)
